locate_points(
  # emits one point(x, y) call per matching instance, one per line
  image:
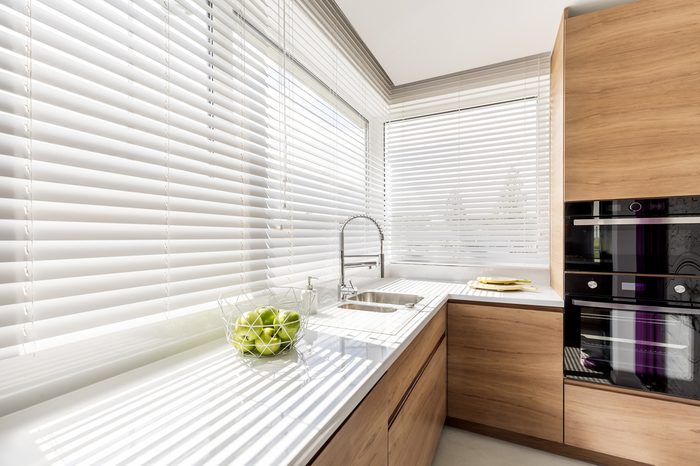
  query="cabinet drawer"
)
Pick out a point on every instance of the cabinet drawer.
point(404, 371)
point(649, 430)
point(415, 433)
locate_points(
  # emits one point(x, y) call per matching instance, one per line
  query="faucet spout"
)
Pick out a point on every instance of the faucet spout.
point(344, 290)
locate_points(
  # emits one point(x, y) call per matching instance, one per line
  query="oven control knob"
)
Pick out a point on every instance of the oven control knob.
point(593, 284)
point(680, 289)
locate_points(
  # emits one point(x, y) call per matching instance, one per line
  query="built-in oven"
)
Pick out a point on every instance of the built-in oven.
point(640, 332)
point(642, 236)
point(632, 294)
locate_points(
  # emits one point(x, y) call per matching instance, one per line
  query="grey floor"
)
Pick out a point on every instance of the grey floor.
point(459, 448)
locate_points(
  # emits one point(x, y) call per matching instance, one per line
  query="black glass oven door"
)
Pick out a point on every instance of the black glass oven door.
point(664, 245)
point(648, 348)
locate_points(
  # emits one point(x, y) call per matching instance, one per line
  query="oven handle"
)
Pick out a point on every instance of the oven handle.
point(636, 221)
point(636, 307)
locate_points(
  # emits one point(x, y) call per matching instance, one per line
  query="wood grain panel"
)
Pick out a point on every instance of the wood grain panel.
point(505, 368)
point(649, 430)
point(633, 101)
point(404, 371)
point(627, 391)
point(362, 439)
point(556, 165)
point(414, 435)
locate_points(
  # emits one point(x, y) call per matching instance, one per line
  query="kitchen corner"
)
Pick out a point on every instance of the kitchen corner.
point(190, 406)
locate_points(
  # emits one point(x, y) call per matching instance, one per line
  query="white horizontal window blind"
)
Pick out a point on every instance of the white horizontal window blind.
point(468, 184)
point(155, 155)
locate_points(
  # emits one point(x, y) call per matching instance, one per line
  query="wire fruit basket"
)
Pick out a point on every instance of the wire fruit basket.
point(264, 323)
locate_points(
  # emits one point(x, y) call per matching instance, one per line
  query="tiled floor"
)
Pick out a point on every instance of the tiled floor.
point(460, 448)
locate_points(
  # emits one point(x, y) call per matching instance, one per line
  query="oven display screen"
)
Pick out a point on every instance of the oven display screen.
point(632, 286)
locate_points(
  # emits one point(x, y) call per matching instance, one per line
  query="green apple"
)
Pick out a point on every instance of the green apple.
point(287, 324)
point(242, 344)
point(267, 334)
point(268, 349)
point(285, 345)
point(243, 331)
point(267, 314)
point(248, 323)
point(267, 344)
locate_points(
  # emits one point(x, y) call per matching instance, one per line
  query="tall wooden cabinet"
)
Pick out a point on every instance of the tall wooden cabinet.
point(556, 166)
point(625, 123)
point(632, 101)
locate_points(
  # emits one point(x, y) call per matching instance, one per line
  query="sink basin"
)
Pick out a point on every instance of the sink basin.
point(380, 297)
point(367, 307)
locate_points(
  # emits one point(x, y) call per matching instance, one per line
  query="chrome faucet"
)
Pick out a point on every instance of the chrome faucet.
point(345, 290)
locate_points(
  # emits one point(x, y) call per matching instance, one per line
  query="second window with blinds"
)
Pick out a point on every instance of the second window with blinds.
point(468, 186)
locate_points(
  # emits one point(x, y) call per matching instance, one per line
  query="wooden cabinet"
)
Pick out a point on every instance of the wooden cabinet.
point(624, 424)
point(632, 91)
point(405, 411)
point(556, 166)
point(405, 370)
point(415, 432)
point(362, 439)
point(504, 368)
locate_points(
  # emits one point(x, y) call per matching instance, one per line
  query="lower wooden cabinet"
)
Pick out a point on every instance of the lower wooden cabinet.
point(362, 439)
point(627, 425)
point(399, 422)
point(504, 368)
point(415, 431)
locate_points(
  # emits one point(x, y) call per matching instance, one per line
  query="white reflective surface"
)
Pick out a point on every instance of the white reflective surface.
point(210, 406)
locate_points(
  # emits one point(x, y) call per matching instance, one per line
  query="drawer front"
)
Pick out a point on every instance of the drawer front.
point(404, 371)
point(415, 433)
point(648, 430)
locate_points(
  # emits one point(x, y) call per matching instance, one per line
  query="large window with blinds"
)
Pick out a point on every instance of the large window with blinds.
point(468, 184)
point(155, 155)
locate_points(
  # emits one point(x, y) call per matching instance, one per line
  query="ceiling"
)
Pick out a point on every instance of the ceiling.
point(418, 39)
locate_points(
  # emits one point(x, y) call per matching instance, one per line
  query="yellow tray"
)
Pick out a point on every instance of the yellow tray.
point(502, 280)
point(492, 287)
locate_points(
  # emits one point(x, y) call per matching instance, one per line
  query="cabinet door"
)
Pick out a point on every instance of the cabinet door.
point(654, 431)
point(415, 432)
point(633, 101)
point(362, 439)
point(504, 367)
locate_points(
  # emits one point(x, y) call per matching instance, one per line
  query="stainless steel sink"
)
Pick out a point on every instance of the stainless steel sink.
point(367, 307)
point(380, 297)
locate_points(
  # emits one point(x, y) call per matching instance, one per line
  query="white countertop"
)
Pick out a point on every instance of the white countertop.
point(210, 406)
